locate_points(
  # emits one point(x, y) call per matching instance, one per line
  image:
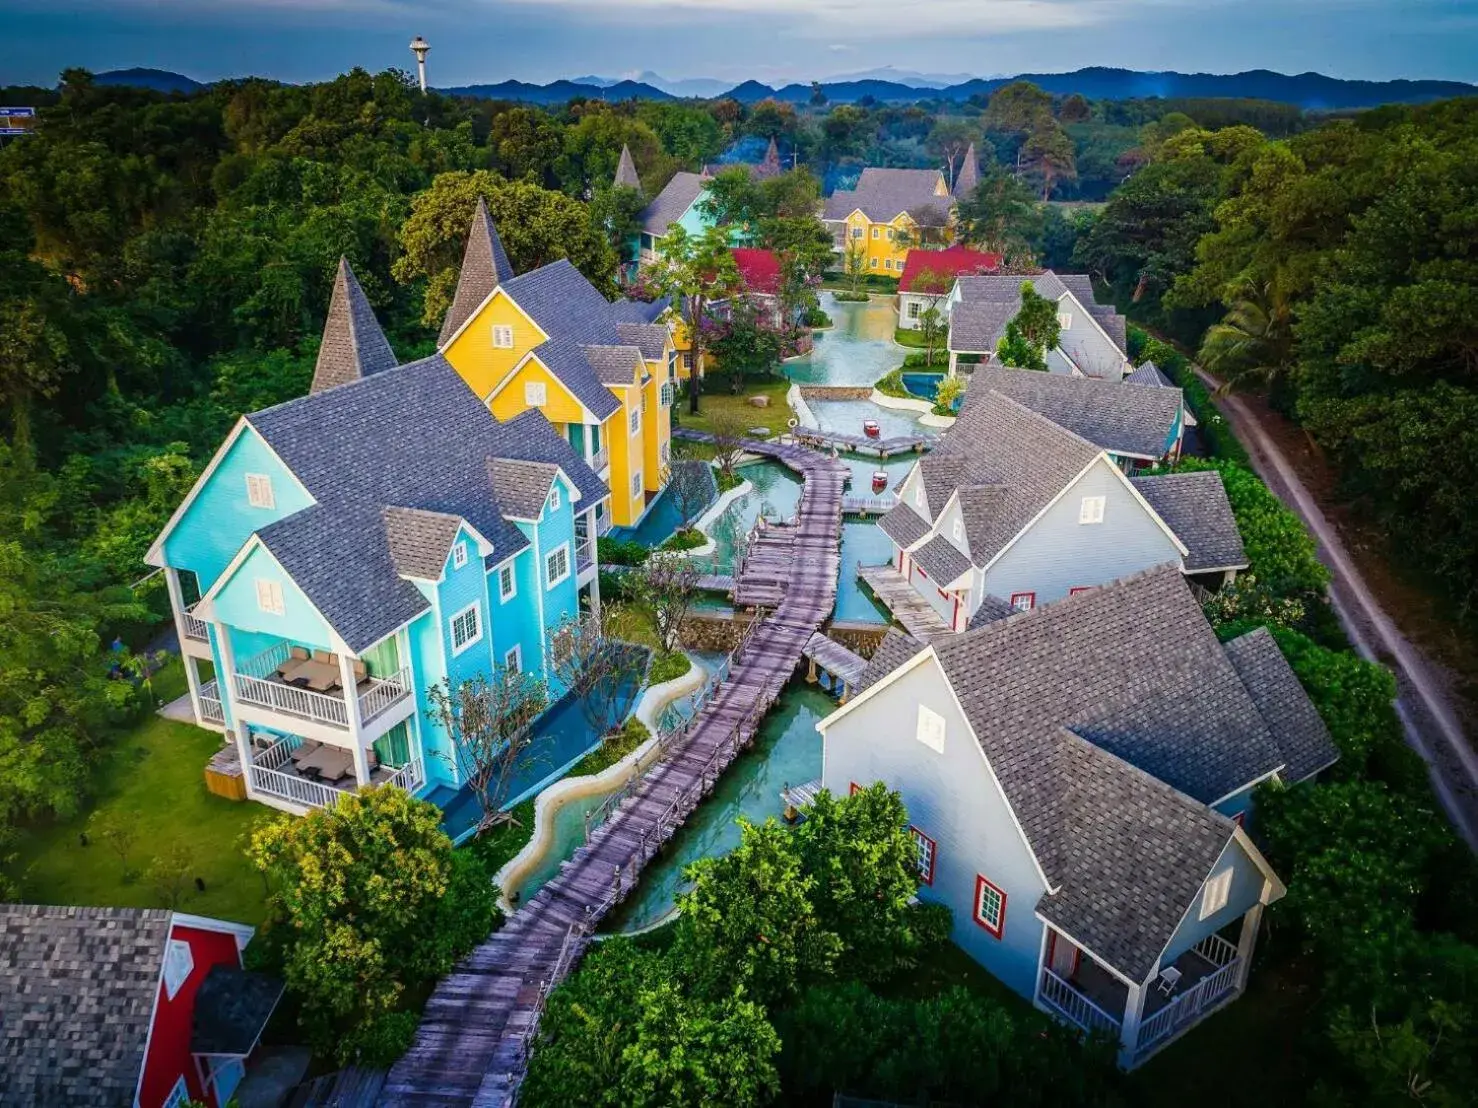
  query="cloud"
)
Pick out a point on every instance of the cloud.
point(838, 47)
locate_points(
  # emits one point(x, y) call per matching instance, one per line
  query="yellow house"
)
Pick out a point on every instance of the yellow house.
point(888, 211)
point(602, 373)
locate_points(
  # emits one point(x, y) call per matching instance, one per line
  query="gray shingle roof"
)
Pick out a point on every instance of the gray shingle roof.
point(484, 267)
point(1291, 716)
point(412, 437)
point(1195, 507)
point(977, 326)
point(669, 206)
point(968, 178)
point(614, 365)
point(1147, 373)
point(885, 194)
point(903, 525)
point(569, 362)
point(77, 991)
point(941, 560)
point(639, 311)
point(232, 1007)
point(522, 487)
point(649, 338)
point(1124, 419)
point(980, 328)
point(991, 609)
point(896, 648)
point(1105, 315)
point(626, 176)
point(353, 345)
point(420, 541)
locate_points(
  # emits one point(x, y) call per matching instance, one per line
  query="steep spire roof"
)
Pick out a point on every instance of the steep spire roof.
point(354, 346)
point(771, 165)
point(484, 267)
point(968, 179)
point(626, 170)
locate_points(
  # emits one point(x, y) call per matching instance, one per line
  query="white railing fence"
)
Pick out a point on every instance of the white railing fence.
point(317, 707)
point(210, 702)
point(600, 459)
point(1076, 1008)
point(1186, 1009)
point(1216, 950)
point(410, 776)
point(295, 790)
point(265, 664)
point(384, 693)
point(195, 628)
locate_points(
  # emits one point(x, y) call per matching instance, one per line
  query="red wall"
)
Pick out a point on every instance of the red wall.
point(169, 1046)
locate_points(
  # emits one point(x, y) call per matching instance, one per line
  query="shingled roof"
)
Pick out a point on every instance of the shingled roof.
point(485, 266)
point(420, 541)
point(903, 525)
point(988, 302)
point(649, 338)
point(1195, 507)
point(884, 194)
point(1129, 420)
point(353, 344)
point(669, 205)
point(968, 178)
point(941, 560)
point(614, 365)
point(522, 486)
point(1291, 716)
point(626, 176)
point(412, 437)
point(77, 992)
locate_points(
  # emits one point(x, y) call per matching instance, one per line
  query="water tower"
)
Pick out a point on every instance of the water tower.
point(420, 47)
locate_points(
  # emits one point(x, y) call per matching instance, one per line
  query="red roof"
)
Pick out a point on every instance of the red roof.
point(947, 263)
point(759, 268)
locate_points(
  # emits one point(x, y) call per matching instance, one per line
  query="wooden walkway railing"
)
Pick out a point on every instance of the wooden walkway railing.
point(481, 1023)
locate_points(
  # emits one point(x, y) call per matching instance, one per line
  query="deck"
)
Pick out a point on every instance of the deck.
point(835, 658)
point(903, 600)
point(480, 1024)
point(861, 444)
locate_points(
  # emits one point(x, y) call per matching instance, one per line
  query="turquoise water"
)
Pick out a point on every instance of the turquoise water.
point(848, 415)
point(787, 752)
point(856, 351)
point(923, 385)
point(665, 516)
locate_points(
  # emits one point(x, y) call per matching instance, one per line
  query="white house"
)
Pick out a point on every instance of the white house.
point(1093, 340)
point(1076, 778)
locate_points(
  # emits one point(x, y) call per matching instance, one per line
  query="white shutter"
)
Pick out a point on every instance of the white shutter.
point(1091, 509)
point(535, 394)
point(930, 730)
point(259, 491)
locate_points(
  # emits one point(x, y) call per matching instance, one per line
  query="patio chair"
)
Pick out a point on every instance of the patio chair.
point(1169, 979)
point(295, 658)
point(361, 672)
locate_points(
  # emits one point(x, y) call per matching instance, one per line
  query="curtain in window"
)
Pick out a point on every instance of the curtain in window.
point(393, 748)
point(383, 660)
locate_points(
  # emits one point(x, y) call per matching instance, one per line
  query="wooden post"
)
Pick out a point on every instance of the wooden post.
point(811, 677)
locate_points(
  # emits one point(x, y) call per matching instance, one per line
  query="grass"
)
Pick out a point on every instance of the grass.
point(891, 384)
point(948, 965)
point(498, 846)
point(717, 405)
point(688, 539)
point(668, 667)
point(904, 336)
point(152, 781)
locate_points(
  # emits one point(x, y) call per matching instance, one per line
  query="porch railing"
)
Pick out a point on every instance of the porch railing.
point(600, 459)
point(267, 778)
point(384, 693)
point(584, 554)
point(1185, 1009)
point(1074, 1007)
point(603, 525)
point(410, 776)
point(210, 702)
point(318, 707)
point(195, 628)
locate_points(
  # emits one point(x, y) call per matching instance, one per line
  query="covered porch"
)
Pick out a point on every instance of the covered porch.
point(303, 773)
point(322, 688)
point(1075, 987)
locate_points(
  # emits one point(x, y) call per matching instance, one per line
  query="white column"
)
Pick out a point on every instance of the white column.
point(226, 686)
point(177, 607)
point(356, 728)
point(954, 361)
point(1246, 941)
point(1129, 1032)
point(595, 577)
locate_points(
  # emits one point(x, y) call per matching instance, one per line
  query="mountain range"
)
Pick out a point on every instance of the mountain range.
point(1307, 90)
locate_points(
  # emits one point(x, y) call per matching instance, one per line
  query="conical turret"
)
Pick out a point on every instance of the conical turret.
point(354, 345)
point(626, 171)
point(484, 267)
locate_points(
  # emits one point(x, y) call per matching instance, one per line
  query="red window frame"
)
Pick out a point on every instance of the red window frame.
point(1080, 588)
point(1031, 598)
point(926, 878)
point(999, 928)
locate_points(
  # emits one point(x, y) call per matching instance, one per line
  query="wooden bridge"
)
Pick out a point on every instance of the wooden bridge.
point(903, 600)
point(480, 1024)
point(861, 444)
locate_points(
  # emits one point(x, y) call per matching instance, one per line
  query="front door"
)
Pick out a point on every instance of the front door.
point(1062, 957)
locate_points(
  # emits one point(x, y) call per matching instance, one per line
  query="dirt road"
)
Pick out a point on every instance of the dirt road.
point(1427, 713)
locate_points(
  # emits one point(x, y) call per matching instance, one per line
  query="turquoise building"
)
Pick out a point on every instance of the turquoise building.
point(346, 552)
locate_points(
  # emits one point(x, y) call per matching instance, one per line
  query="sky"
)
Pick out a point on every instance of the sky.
point(775, 41)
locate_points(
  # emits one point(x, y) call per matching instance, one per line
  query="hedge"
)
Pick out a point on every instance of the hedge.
point(1213, 426)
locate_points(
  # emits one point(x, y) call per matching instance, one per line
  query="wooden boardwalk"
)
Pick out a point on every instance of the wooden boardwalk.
point(479, 1026)
point(861, 444)
point(903, 600)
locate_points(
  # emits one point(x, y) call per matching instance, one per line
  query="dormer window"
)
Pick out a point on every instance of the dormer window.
point(259, 491)
point(535, 395)
point(554, 498)
point(459, 555)
point(502, 336)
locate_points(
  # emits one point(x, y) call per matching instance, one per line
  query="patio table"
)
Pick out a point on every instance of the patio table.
point(318, 676)
point(329, 762)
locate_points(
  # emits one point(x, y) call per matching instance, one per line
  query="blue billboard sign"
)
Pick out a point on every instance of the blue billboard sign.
point(17, 121)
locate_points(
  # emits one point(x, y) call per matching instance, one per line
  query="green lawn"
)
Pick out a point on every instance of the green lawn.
point(718, 403)
point(949, 965)
point(153, 781)
point(903, 336)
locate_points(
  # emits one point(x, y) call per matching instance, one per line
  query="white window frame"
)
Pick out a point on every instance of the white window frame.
point(1091, 509)
point(872, 263)
point(915, 309)
point(995, 925)
point(876, 232)
point(554, 501)
point(459, 554)
point(259, 491)
point(558, 552)
point(513, 659)
point(178, 1094)
point(929, 729)
point(476, 636)
point(535, 394)
point(666, 395)
point(633, 421)
point(958, 530)
point(507, 582)
point(179, 963)
point(918, 495)
point(269, 596)
point(1016, 601)
point(502, 336)
point(1065, 321)
point(1217, 892)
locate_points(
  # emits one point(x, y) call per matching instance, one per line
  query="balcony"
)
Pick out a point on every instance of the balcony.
point(194, 628)
point(600, 461)
point(275, 773)
point(1094, 1000)
point(210, 703)
point(268, 680)
point(584, 546)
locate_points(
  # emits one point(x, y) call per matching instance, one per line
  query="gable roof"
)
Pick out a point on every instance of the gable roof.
point(649, 338)
point(77, 990)
point(353, 344)
point(420, 541)
point(1147, 373)
point(1195, 506)
point(948, 264)
point(941, 560)
point(411, 437)
point(672, 203)
point(968, 178)
point(639, 311)
point(1132, 420)
point(485, 266)
point(232, 1007)
point(903, 525)
point(522, 486)
point(1106, 315)
point(1291, 716)
point(884, 194)
point(626, 176)
point(982, 327)
point(614, 365)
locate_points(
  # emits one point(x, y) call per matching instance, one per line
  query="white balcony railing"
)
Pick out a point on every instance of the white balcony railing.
point(1074, 1007)
point(410, 776)
point(295, 790)
point(210, 703)
point(600, 459)
point(194, 628)
point(603, 525)
point(1187, 1008)
point(257, 684)
point(384, 693)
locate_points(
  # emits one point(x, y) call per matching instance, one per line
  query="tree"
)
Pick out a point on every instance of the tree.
point(1016, 108)
point(489, 723)
point(950, 139)
point(1032, 332)
point(666, 583)
point(524, 143)
point(1000, 216)
point(536, 226)
point(369, 903)
point(592, 149)
point(693, 270)
point(854, 264)
point(1049, 152)
point(730, 440)
point(1253, 343)
point(169, 875)
point(1075, 109)
point(616, 212)
point(932, 286)
point(594, 665)
point(746, 343)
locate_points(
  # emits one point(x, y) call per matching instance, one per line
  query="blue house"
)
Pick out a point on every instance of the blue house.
point(346, 552)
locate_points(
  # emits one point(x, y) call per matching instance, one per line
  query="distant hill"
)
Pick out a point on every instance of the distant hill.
point(1307, 90)
point(160, 80)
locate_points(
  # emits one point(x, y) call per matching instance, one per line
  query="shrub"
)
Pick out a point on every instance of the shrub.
point(668, 667)
point(727, 481)
point(689, 538)
point(946, 399)
point(1214, 428)
point(891, 384)
point(815, 317)
point(851, 297)
point(620, 552)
